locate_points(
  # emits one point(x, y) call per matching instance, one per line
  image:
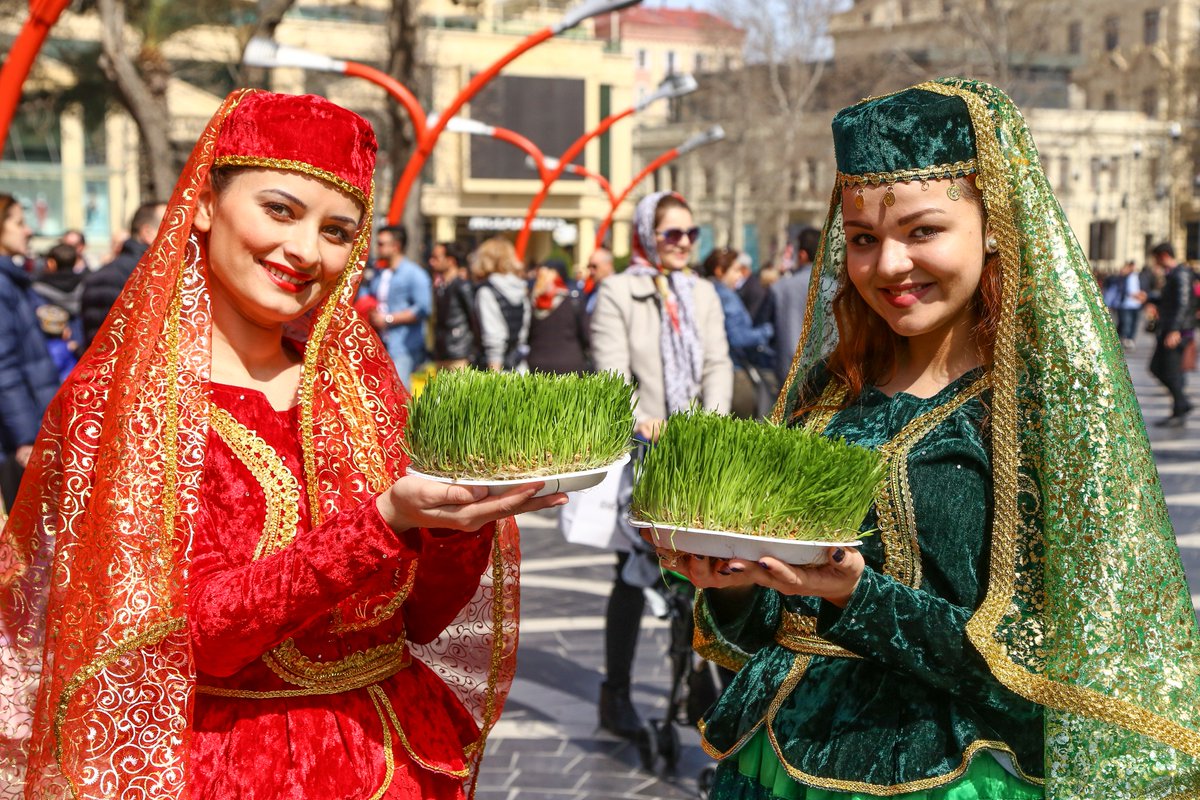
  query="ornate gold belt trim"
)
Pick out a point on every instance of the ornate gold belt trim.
point(798, 633)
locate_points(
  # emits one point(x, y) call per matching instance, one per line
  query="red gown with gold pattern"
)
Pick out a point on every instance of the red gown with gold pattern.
point(299, 693)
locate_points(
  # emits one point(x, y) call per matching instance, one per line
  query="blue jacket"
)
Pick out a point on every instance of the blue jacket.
point(749, 344)
point(28, 377)
point(410, 289)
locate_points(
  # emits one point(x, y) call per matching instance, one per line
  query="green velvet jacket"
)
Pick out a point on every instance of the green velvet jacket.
point(886, 695)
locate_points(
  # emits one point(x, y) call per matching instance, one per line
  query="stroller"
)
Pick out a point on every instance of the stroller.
point(695, 683)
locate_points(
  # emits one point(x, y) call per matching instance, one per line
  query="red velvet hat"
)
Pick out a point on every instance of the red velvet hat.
point(300, 133)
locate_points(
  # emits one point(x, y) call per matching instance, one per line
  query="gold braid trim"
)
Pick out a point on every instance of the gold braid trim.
point(359, 669)
point(709, 643)
point(294, 166)
point(389, 756)
point(381, 700)
point(931, 173)
point(798, 633)
point(795, 673)
point(982, 627)
point(281, 490)
point(151, 636)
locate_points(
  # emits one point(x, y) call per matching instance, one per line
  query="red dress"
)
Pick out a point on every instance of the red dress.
point(305, 686)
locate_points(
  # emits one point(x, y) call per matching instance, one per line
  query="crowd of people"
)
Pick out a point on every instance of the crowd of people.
point(219, 579)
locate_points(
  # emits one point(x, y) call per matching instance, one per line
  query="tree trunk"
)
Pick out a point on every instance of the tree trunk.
point(402, 65)
point(143, 96)
point(269, 14)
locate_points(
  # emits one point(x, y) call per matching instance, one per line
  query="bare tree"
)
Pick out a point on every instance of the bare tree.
point(269, 13)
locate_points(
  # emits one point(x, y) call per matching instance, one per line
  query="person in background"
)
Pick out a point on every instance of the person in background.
point(404, 296)
point(1123, 294)
point(102, 287)
point(599, 267)
point(28, 376)
point(1176, 325)
point(501, 305)
point(754, 295)
point(750, 345)
point(61, 287)
point(660, 326)
point(75, 239)
point(790, 294)
point(558, 326)
point(454, 326)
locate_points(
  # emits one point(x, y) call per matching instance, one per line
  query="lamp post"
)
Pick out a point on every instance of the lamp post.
point(425, 133)
point(583, 172)
point(21, 55)
point(674, 85)
point(472, 127)
point(714, 134)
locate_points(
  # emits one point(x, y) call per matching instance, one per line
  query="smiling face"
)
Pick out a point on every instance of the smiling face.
point(277, 243)
point(678, 255)
point(916, 263)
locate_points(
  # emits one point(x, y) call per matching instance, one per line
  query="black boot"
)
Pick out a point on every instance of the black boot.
point(617, 714)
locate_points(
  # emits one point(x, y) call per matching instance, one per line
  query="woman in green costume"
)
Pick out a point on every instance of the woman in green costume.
point(1018, 625)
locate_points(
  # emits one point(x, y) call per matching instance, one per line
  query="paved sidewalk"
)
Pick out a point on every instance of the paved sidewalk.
point(547, 744)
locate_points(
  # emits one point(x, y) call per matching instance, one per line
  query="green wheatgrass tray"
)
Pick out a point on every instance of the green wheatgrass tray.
point(723, 487)
point(491, 428)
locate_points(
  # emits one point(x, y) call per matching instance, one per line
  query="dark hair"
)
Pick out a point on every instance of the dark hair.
point(77, 232)
point(64, 256)
point(1164, 249)
point(719, 260)
point(220, 177)
point(399, 233)
point(457, 251)
point(7, 201)
point(146, 214)
point(666, 204)
point(808, 240)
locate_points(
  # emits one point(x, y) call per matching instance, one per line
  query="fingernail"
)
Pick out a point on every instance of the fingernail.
point(735, 568)
point(838, 555)
point(765, 565)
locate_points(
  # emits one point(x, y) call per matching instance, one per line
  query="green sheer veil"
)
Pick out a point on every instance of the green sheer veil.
point(1087, 610)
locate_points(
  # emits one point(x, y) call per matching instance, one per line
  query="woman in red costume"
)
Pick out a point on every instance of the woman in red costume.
point(217, 581)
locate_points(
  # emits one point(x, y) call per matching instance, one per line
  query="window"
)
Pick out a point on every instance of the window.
point(1150, 101)
point(1075, 38)
point(793, 183)
point(1064, 174)
point(643, 58)
point(670, 62)
point(814, 174)
point(699, 65)
point(710, 182)
point(1114, 173)
point(1097, 165)
point(905, 9)
point(866, 18)
point(1102, 240)
point(673, 178)
point(1110, 101)
point(1152, 169)
point(947, 6)
point(1112, 33)
point(1150, 26)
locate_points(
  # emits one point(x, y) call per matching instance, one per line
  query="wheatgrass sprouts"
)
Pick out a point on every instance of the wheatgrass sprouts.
point(741, 476)
point(473, 424)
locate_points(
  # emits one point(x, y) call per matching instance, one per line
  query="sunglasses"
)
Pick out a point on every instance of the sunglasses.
point(675, 235)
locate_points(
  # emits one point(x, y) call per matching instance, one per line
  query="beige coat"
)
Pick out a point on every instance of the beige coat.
point(626, 326)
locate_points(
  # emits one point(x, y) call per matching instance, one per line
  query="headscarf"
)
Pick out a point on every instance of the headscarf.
point(96, 673)
point(679, 338)
point(1087, 609)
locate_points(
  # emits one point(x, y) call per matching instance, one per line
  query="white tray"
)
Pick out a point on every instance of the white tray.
point(563, 482)
point(723, 544)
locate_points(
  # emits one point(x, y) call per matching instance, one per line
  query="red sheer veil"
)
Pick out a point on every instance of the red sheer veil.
point(96, 677)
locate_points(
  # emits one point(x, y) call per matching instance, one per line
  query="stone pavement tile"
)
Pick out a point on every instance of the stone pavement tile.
point(543, 794)
point(563, 763)
point(546, 780)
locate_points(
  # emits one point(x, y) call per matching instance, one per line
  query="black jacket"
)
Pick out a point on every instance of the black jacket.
point(453, 321)
point(102, 287)
point(1176, 303)
point(558, 337)
point(28, 377)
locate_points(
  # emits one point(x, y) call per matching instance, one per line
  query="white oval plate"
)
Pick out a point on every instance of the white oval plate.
point(564, 482)
point(723, 544)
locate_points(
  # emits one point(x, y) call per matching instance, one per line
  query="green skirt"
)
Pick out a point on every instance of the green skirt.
point(756, 774)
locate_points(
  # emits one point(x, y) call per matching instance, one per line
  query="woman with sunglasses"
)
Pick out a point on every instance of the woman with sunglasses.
point(218, 581)
point(1017, 625)
point(660, 325)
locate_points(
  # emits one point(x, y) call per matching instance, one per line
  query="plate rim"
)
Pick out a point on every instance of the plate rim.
point(640, 523)
point(620, 462)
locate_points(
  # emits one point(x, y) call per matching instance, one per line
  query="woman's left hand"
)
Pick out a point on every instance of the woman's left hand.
point(834, 580)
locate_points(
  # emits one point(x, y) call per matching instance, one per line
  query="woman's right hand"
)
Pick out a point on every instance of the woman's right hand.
point(414, 502)
point(648, 429)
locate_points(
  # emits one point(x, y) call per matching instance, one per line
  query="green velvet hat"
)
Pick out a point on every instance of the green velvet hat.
point(911, 135)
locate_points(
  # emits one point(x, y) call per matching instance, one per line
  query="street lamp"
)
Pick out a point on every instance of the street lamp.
point(21, 55)
point(714, 134)
point(674, 85)
point(474, 127)
point(583, 172)
point(427, 134)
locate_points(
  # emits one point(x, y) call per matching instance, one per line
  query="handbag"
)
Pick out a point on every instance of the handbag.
point(590, 518)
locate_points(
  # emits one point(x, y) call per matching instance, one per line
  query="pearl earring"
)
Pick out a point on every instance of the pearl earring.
point(991, 245)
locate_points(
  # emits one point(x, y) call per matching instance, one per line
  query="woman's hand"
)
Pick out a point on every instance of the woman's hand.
point(834, 580)
point(414, 502)
point(648, 429)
